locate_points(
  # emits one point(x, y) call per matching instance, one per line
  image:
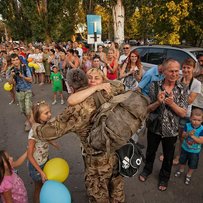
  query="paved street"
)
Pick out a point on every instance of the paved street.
point(14, 140)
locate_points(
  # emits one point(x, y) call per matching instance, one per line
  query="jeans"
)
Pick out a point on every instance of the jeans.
point(168, 146)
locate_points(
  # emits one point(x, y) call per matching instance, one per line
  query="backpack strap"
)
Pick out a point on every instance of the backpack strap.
point(23, 70)
point(190, 84)
point(99, 99)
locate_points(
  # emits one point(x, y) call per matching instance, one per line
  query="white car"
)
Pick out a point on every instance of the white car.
point(156, 54)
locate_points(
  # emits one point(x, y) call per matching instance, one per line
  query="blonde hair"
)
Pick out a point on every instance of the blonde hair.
point(97, 70)
point(37, 110)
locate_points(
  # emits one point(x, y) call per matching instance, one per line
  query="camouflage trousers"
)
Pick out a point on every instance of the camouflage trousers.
point(25, 101)
point(103, 183)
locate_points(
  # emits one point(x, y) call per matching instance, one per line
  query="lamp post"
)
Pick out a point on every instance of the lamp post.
point(95, 36)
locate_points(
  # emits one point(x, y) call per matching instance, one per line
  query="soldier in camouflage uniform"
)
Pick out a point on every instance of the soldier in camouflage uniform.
point(103, 183)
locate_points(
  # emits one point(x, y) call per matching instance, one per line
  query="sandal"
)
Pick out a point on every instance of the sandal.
point(178, 173)
point(175, 161)
point(187, 180)
point(162, 186)
point(143, 176)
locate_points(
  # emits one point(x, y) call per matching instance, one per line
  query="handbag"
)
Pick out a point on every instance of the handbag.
point(130, 158)
point(153, 122)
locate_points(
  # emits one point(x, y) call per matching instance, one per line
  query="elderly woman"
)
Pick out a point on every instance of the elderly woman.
point(102, 181)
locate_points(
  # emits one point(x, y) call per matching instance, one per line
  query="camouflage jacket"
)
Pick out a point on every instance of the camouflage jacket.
point(75, 119)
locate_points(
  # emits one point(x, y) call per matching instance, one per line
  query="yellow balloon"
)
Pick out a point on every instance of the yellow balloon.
point(31, 64)
point(56, 169)
point(8, 86)
point(36, 66)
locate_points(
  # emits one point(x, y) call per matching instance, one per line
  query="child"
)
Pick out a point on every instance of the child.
point(191, 147)
point(57, 86)
point(37, 149)
point(12, 188)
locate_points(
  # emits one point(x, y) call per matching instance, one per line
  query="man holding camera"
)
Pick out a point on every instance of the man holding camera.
point(22, 78)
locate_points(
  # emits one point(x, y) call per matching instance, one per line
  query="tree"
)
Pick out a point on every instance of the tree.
point(192, 26)
point(15, 19)
point(107, 21)
point(39, 19)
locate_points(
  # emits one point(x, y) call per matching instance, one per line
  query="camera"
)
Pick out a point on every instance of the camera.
point(16, 71)
point(137, 72)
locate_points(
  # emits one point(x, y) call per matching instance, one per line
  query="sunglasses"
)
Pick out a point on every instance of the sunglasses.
point(125, 47)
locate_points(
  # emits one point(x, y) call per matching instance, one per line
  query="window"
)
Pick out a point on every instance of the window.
point(156, 56)
point(177, 55)
point(143, 54)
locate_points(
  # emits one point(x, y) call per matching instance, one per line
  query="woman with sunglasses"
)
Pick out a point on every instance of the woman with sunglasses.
point(131, 71)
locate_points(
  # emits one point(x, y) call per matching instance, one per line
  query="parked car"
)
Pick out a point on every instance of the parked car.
point(156, 54)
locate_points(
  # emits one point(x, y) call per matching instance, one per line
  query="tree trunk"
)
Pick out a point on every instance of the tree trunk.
point(118, 19)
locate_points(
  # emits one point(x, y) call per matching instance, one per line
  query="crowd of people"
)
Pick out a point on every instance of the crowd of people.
point(175, 111)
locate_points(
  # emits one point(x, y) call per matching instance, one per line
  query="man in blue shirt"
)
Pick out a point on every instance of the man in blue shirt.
point(22, 78)
point(153, 74)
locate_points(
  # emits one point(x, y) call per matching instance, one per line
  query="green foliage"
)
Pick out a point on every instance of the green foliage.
point(106, 21)
point(169, 22)
point(192, 28)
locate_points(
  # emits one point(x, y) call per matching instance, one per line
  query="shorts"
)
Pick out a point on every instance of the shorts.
point(192, 158)
point(57, 88)
point(183, 121)
point(34, 174)
point(25, 101)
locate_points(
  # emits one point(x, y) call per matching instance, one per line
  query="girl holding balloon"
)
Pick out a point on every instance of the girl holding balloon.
point(11, 89)
point(38, 149)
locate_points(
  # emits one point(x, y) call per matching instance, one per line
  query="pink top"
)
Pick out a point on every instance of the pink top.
point(17, 187)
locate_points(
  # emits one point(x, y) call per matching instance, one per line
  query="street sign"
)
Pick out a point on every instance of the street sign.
point(94, 29)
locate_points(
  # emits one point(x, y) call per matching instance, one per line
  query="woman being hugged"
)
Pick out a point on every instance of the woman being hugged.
point(38, 149)
point(131, 71)
point(12, 188)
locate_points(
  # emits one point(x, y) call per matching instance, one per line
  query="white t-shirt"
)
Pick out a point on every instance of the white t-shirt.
point(122, 59)
point(196, 88)
point(41, 149)
point(41, 65)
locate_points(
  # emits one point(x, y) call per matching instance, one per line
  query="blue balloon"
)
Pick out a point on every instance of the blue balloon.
point(53, 192)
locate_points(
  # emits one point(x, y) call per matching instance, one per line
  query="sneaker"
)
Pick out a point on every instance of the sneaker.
point(187, 179)
point(178, 173)
point(62, 102)
point(40, 84)
point(54, 102)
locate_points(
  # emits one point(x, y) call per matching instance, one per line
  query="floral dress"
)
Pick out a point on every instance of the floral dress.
point(17, 187)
